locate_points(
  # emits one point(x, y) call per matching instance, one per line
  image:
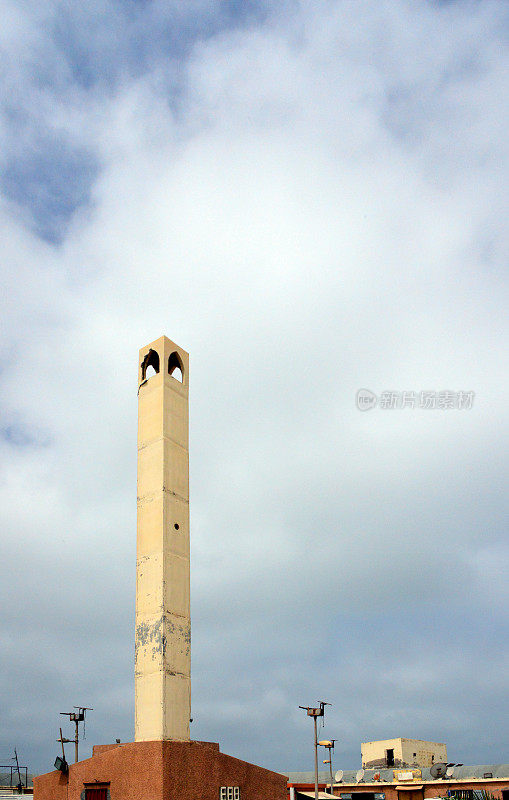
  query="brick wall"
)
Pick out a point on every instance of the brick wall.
point(162, 771)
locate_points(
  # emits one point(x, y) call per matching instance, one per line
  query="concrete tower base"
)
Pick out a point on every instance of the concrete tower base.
point(169, 770)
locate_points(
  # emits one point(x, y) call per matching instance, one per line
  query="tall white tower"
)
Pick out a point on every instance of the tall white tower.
point(163, 622)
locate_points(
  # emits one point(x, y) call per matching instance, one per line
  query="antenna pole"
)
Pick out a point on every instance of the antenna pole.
point(62, 742)
point(316, 760)
point(76, 717)
point(331, 750)
point(17, 766)
point(329, 745)
point(315, 713)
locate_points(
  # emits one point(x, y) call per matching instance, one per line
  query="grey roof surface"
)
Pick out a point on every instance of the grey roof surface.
point(307, 777)
point(386, 775)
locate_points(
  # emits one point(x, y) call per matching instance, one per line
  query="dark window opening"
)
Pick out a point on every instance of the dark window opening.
point(363, 795)
point(415, 755)
point(175, 367)
point(176, 526)
point(389, 757)
point(96, 793)
point(150, 365)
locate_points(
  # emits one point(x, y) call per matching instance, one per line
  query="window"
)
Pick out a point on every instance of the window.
point(95, 793)
point(150, 365)
point(229, 793)
point(389, 757)
point(175, 367)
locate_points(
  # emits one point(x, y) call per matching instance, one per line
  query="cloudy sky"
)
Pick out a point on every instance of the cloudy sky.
point(310, 198)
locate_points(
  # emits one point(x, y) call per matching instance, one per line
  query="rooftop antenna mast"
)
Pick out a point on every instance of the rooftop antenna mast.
point(76, 717)
point(61, 763)
point(329, 744)
point(17, 767)
point(315, 713)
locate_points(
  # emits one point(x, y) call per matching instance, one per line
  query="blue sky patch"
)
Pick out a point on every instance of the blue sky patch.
point(19, 436)
point(50, 181)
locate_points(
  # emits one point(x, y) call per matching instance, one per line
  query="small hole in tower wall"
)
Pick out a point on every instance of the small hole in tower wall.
point(176, 526)
point(175, 367)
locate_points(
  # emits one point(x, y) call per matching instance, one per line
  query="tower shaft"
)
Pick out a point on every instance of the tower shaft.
point(163, 624)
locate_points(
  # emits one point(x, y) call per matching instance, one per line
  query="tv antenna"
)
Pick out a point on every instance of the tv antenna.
point(315, 713)
point(13, 769)
point(75, 716)
point(17, 769)
point(61, 763)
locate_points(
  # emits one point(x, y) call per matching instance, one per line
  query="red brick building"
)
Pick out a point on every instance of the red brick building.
point(154, 770)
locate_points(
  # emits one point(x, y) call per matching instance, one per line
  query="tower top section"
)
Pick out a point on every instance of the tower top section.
point(165, 358)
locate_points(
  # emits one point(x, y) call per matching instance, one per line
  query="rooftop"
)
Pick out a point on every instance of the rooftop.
point(478, 771)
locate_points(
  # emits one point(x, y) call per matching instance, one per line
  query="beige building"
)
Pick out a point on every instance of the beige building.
point(402, 753)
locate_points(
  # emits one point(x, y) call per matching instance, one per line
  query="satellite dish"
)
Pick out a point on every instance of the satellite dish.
point(359, 775)
point(449, 772)
point(438, 770)
point(338, 777)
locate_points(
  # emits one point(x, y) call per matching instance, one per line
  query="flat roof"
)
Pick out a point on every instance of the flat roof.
point(465, 772)
point(403, 739)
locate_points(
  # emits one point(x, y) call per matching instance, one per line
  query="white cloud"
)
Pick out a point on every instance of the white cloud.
point(319, 211)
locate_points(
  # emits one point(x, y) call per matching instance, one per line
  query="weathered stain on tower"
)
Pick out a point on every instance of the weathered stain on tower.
point(163, 624)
